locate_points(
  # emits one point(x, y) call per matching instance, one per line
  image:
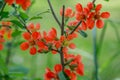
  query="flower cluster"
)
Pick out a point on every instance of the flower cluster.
point(89, 16)
point(5, 32)
point(75, 67)
point(23, 3)
point(44, 42)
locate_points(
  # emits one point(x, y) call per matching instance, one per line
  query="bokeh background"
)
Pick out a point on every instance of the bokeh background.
point(30, 67)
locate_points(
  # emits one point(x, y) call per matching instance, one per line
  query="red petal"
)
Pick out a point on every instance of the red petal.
point(72, 46)
point(52, 33)
point(36, 35)
point(98, 7)
point(54, 52)
point(50, 75)
point(105, 15)
point(68, 12)
point(1, 46)
point(84, 26)
point(58, 68)
point(26, 4)
point(10, 2)
point(68, 72)
point(79, 7)
point(90, 5)
point(33, 51)
point(24, 46)
point(99, 23)
point(26, 35)
point(73, 76)
point(90, 23)
point(20, 2)
point(37, 26)
point(80, 69)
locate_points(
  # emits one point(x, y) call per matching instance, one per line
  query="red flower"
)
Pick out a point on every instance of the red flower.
point(53, 75)
point(32, 40)
point(96, 17)
point(24, 3)
point(72, 46)
point(24, 46)
point(76, 65)
point(33, 28)
point(10, 2)
point(33, 50)
point(68, 12)
point(1, 47)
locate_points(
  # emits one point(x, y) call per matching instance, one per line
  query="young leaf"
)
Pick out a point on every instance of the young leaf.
point(4, 15)
point(17, 23)
point(16, 33)
point(35, 17)
point(106, 0)
point(83, 33)
point(24, 16)
point(63, 76)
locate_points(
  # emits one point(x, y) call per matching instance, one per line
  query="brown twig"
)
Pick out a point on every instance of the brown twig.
point(20, 19)
point(62, 33)
point(53, 13)
point(76, 27)
point(93, 1)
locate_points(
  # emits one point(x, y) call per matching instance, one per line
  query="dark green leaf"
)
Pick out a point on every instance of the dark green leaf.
point(24, 16)
point(17, 23)
point(3, 67)
point(35, 17)
point(83, 33)
point(4, 15)
point(63, 76)
point(106, 0)
point(16, 33)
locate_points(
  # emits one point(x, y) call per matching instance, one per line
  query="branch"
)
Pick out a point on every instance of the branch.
point(63, 17)
point(62, 33)
point(20, 19)
point(76, 27)
point(93, 1)
point(53, 13)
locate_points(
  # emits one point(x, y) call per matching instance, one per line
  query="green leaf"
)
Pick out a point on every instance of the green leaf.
point(106, 0)
point(35, 17)
point(63, 76)
point(16, 74)
point(83, 33)
point(24, 16)
point(3, 68)
point(16, 33)
point(17, 23)
point(4, 15)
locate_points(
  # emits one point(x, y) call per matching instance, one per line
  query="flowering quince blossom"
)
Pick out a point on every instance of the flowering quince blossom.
point(68, 12)
point(75, 68)
point(89, 16)
point(48, 41)
point(23, 3)
point(5, 32)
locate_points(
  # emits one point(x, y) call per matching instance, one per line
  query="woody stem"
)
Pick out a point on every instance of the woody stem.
point(53, 13)
point(76, 27)
point(20, 19)
point(93, 1)
point(62, 33)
